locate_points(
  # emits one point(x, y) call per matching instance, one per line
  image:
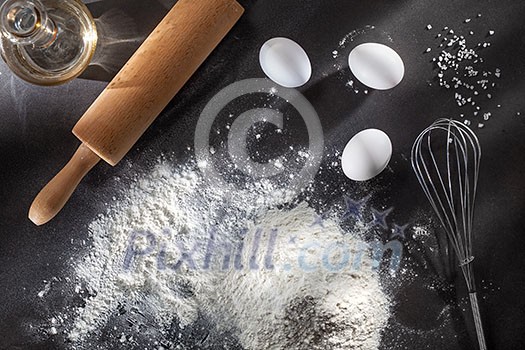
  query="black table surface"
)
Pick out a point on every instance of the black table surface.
point(36, 141)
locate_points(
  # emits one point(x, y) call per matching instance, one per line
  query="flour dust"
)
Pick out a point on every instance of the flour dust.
point(177, 250)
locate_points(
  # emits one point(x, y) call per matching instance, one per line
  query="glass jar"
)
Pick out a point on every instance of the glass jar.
point(47, 42)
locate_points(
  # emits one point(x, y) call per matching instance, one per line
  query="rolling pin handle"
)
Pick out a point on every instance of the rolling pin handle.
point(56, 193)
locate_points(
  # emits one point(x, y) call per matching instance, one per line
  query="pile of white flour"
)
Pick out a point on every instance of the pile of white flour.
point(276, 278)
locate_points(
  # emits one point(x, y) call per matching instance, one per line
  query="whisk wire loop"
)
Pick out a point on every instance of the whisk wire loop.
point(449, 180)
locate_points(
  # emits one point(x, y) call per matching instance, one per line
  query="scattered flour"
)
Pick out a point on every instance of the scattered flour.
point(180, 248)
point(333, 306)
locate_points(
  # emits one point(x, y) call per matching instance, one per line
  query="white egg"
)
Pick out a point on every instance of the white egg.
point(366, 155)
point(285, 62)
point(376, 65)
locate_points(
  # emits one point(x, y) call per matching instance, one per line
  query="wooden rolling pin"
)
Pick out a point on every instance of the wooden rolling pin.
point(139, 92)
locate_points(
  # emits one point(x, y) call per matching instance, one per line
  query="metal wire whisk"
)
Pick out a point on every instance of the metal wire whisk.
point(445, 158)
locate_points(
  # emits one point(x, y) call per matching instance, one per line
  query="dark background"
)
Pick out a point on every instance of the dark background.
point(36, 141)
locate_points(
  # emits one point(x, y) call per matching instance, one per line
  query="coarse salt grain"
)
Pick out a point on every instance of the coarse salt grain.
point(456, 58)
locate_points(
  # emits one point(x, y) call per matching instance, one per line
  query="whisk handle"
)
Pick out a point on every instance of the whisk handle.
point(477, 320)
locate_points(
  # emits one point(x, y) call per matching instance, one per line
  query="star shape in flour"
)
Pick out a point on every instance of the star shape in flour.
point(319, 219)
point(379, 218)
point(353, 207)
point(398, 231)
